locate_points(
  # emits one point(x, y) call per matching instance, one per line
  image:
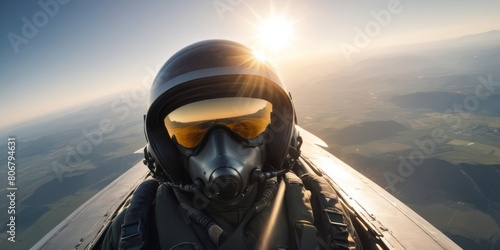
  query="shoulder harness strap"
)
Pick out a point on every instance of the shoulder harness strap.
point(134, 233)
point(300, 213)
point(174, 231)
point(334, 224)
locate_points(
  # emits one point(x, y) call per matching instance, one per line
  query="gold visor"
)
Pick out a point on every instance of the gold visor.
point(247, 117)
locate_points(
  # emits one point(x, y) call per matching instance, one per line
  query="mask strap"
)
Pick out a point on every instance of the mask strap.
point(293, 156)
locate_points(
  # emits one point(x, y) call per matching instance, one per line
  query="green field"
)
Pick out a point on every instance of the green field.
point(459, 219)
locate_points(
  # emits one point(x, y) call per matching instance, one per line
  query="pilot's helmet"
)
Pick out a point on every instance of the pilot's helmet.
point(215, 109)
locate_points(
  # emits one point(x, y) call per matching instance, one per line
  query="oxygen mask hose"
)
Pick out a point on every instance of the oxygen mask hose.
point(215, 232)
point(270, 190)
point(234, 240)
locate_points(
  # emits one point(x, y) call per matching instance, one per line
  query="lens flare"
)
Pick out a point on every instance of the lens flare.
point(273, 218)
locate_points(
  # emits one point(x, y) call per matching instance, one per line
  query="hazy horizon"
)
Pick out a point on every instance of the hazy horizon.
point(60, 53)
point(142, 87)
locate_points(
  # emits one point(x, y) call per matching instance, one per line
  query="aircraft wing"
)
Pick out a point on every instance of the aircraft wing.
point(381, 220)
point(388, 219)
point(85, 225)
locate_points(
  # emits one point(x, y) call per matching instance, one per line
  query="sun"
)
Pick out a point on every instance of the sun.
point(275, 33)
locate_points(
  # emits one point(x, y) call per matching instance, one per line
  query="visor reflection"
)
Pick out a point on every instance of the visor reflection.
point(247, 117)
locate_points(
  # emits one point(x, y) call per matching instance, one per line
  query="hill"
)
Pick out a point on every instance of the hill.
point(446, 101)
point(365, 131)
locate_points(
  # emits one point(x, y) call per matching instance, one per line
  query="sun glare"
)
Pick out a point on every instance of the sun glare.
point(259, 54)
point(276, 33)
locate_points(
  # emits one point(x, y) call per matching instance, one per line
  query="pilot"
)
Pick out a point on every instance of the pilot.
point(223, 150)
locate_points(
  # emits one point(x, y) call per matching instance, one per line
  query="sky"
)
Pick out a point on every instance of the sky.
point(56, 54)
